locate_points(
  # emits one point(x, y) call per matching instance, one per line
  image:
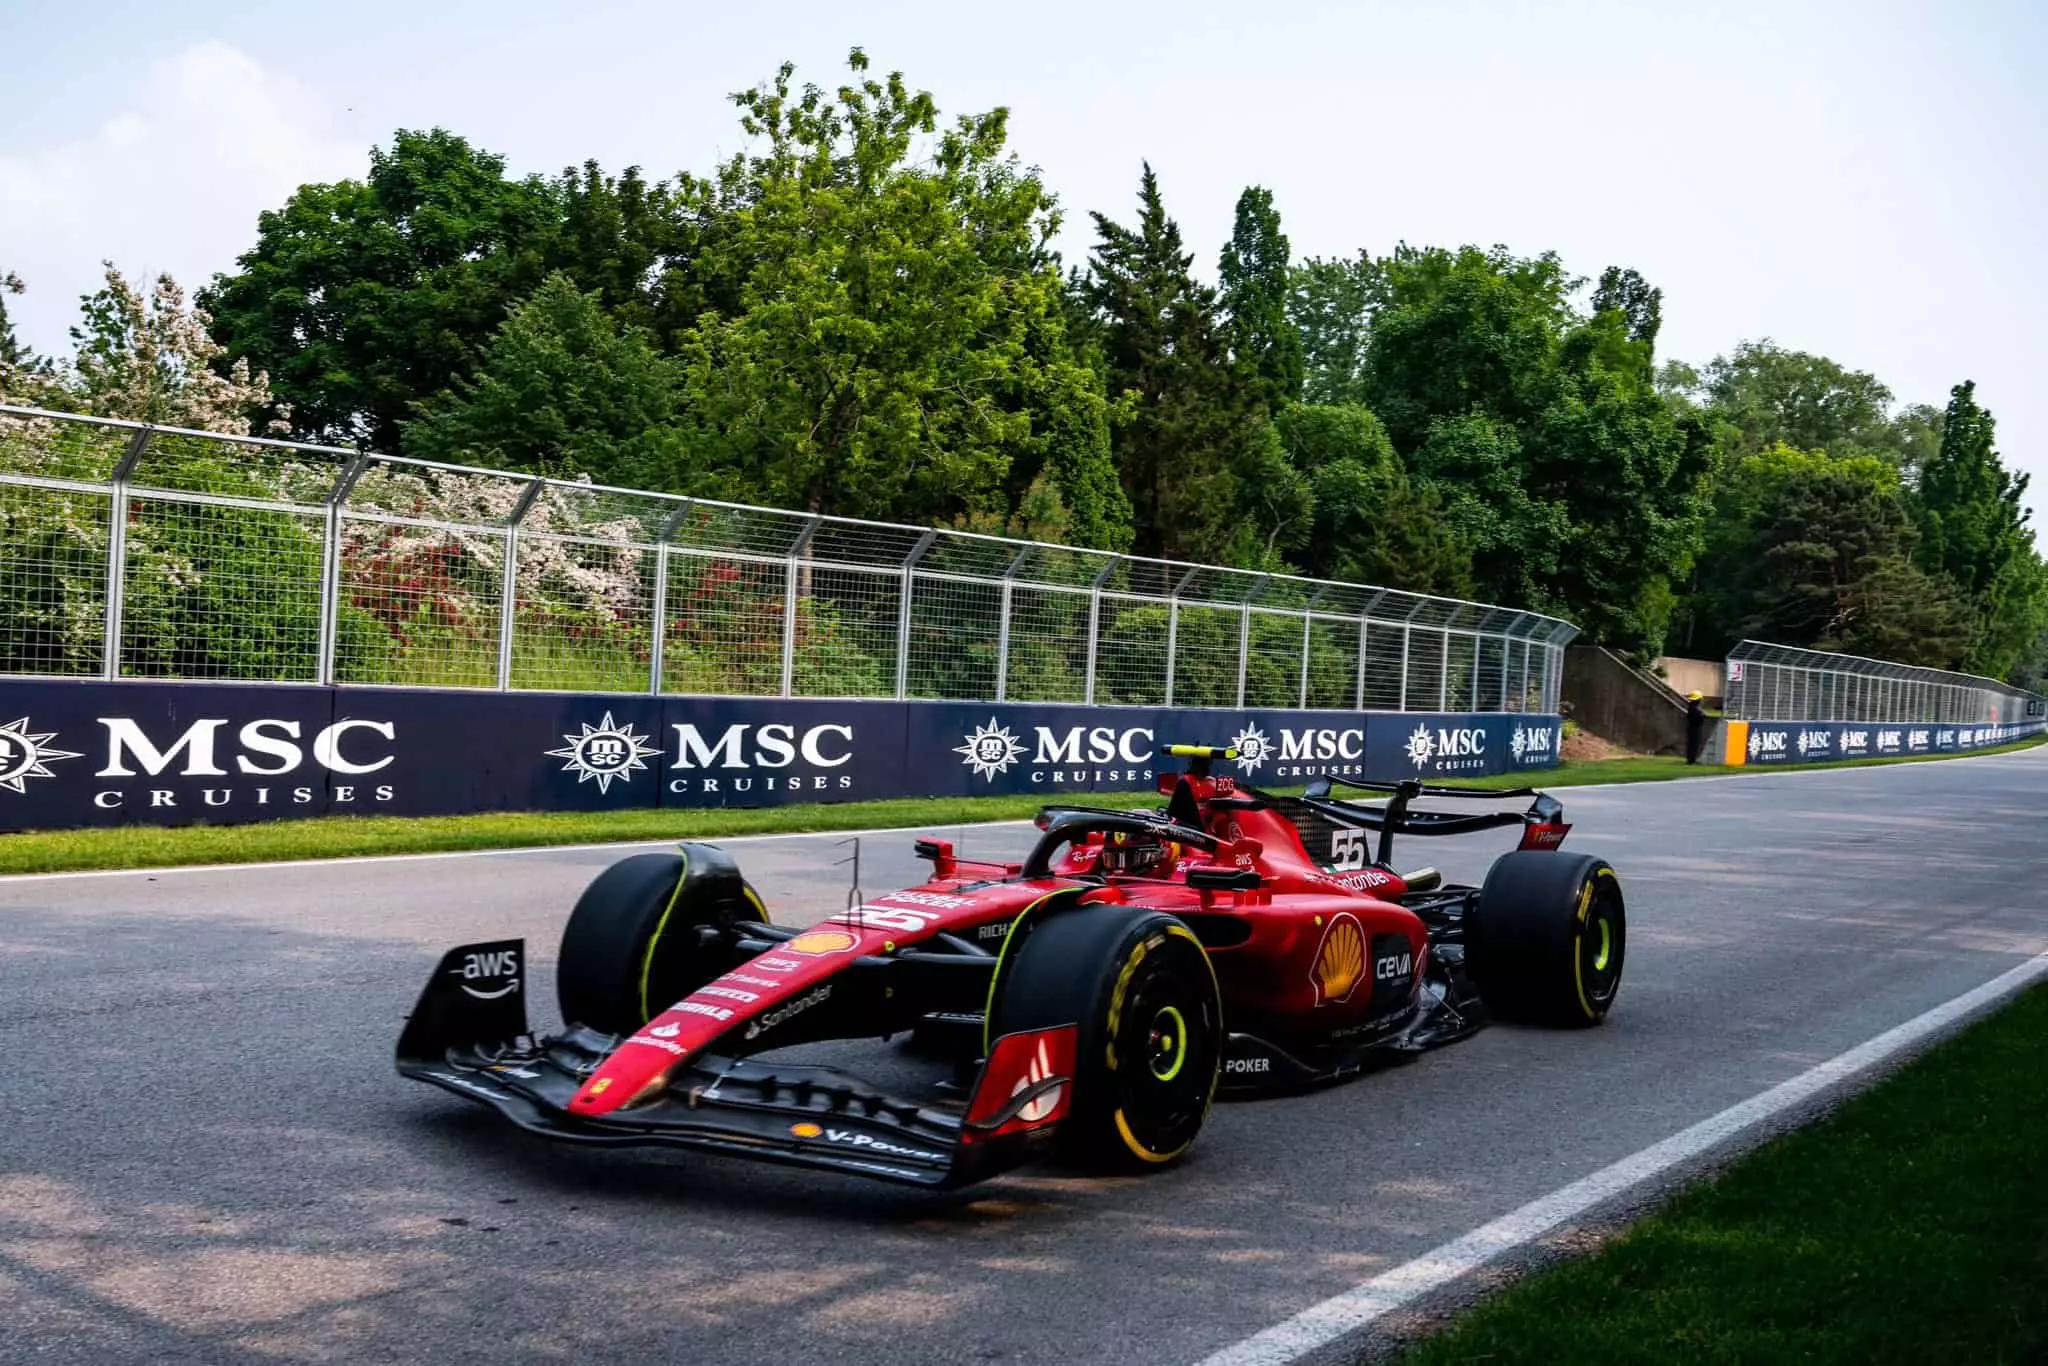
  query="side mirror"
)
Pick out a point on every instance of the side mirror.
point(1224, 879)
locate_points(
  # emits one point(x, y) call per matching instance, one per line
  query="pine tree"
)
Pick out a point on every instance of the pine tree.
point(1166, 364)
point(1265, 345)
point(1973, 531)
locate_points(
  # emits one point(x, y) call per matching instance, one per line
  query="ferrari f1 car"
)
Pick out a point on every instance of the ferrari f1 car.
point(1095, 997)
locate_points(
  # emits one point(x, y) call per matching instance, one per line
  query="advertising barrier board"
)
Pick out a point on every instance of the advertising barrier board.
point(89, 753)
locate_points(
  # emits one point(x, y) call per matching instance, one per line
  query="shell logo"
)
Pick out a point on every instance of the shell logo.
point(821, 941)
point(1340, 960)
point(806, 1130)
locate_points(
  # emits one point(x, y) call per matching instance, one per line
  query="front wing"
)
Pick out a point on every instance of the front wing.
point(794, 1114)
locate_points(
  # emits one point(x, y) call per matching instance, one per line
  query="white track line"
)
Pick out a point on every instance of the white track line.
point(1358, 1307)
point(344, 860)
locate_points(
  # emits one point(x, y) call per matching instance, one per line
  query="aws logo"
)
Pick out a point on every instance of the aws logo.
point(495, 973)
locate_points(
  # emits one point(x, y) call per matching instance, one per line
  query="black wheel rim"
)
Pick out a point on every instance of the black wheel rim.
point(1602, 943)
point(1167, 1042)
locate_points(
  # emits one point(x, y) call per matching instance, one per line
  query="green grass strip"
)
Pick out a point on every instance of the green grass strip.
point(1910, 1226)
point(143, 846)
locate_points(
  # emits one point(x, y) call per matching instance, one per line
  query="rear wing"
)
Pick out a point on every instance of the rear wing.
point(1543, 824)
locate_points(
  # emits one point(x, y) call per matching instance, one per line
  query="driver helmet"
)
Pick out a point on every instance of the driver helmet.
point(1138, 855)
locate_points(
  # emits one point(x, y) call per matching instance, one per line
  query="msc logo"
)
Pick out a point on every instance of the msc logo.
point(1253, 748)
point(26, 754)
point(1322, 744)
point(1105, 745)
point(1769, 744)
point(604, 753)
point(989, 749)
point(774, 746)
point(1813, 741)
point(274, 739)
point(1855, 742)
point(1531, 742)
point(1447, 744)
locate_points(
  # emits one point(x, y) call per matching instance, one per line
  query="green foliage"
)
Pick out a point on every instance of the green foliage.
point(13, 355)
point(1331, 303)
point(884, 331)
point(362, 298)
point(1370, 523)
point(1770, 395)
point(860, 313)
point(1817, 550)
point(1576, 485)
point(1255, 287)
point(1204, 477)
point(562, 388)
point(1973, 532)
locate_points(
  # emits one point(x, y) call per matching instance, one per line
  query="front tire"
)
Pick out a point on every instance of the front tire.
point(1547, 939)
point(631, 946)
point(1140, 987)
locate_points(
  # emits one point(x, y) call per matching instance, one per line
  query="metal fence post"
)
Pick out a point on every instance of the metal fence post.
point(903, 600)
point(1094, 629)
point(1407, 635)
point(1364, 639)
point(1173, 628)
point(508, 603)
point(657, 647)
point(330, 566)
point(1443, 670)
point(117, 552)
point(798, 549)
point(1307, 621)
point(1009, 601)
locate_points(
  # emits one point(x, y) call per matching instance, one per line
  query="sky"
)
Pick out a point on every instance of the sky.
point(1864, 180)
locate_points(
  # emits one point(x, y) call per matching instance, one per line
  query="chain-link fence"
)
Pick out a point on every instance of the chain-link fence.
point(128, 551)
point(1785, 683)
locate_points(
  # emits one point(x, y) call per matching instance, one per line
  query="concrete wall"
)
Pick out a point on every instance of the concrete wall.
point(1703, 676)
point(1621, 704)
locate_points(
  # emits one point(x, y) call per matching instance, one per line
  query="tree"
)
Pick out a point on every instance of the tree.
point(1640, 304)
point(883, 330)
point(1331, 303)
point(1186, 422)
point(1813, 549)
point(13, 355)
point(1370, 524)
point(361, 298)
point(151, 360)
point(1254, 275)
point(1832, 569)
point(1973, 532)
point(1768, 395)
point(564, 388)
point(1577, 486)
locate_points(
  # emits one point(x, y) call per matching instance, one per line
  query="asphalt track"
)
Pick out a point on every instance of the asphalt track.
point(206, 1158)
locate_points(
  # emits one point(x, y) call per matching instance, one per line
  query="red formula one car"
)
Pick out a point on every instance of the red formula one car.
point(1095, 997)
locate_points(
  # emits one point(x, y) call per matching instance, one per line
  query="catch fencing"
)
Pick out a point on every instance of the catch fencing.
point(136, 552)
point(1784, 683)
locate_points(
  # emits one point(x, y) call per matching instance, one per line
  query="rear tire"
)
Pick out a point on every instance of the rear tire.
point(1140, 987)
point(1547, 939)
point(631, 949)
